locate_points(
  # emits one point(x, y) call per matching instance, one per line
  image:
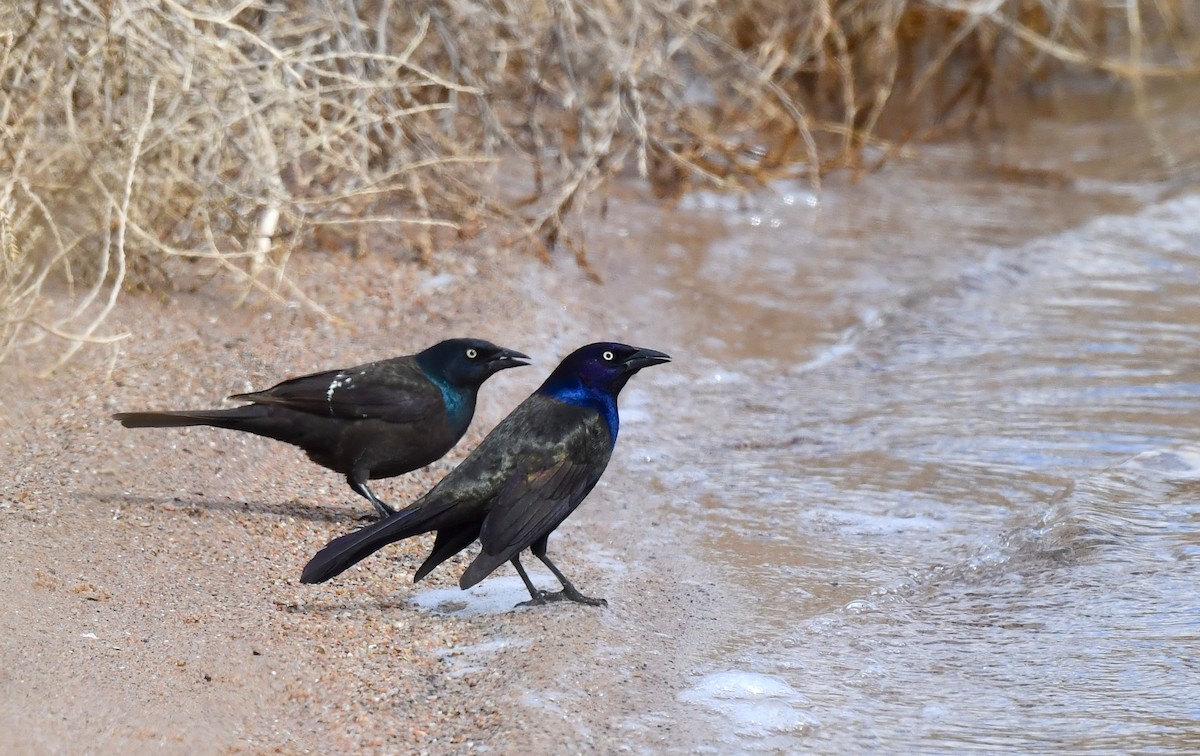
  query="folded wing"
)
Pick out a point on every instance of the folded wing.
point(397, 393)
point(543, 489)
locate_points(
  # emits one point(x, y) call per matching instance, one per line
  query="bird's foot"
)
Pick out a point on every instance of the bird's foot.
point(382, 511)
point(546, 597)
point(572, 594)
point(542, 597)
point(361, 488)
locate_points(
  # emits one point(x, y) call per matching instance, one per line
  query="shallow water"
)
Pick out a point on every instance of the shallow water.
point(940, 433)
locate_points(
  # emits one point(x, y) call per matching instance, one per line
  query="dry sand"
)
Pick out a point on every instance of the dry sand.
point(150, 577)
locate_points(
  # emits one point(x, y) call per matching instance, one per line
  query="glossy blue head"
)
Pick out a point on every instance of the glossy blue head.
point(593, 376)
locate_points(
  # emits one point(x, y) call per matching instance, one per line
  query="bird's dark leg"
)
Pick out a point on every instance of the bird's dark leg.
point(569, 591)
point(360, 488)
point(539, 597)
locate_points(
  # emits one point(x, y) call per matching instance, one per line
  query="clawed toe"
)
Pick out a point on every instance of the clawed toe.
point(543, 597)
point(579, 598)
point(546, 597)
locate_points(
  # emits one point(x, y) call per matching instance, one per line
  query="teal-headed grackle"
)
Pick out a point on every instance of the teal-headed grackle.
point(371, 421)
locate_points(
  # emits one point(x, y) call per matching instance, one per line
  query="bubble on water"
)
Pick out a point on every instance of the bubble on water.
point(755, 704)
point(729, 376)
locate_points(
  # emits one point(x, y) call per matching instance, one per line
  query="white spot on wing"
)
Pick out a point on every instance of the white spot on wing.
point(341, 380)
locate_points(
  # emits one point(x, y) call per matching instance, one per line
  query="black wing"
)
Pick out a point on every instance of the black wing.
point(544, 488)
point(395, 390)
point(534, 504)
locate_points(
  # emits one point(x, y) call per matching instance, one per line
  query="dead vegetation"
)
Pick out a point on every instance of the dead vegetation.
point(142, 139)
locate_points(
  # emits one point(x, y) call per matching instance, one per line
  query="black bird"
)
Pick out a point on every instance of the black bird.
point(520, 483)
point(371, 421)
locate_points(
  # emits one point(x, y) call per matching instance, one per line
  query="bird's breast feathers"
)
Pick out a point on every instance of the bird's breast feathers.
point(600, 402)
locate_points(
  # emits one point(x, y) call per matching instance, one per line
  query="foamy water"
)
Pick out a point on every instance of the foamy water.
point(954, 468)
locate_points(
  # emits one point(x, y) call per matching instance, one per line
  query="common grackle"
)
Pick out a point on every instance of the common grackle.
point(520, 483)
point(371, 421)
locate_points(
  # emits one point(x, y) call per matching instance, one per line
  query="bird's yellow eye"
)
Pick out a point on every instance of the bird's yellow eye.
point(472, 354)
point(608, 356)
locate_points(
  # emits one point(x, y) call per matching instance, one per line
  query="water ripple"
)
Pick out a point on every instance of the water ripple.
point(963, 488)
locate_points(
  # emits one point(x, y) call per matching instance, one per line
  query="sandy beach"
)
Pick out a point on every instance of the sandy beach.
point(151, 577)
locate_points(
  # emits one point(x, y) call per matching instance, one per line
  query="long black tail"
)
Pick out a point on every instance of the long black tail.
point(344, 552)
point(235, 418)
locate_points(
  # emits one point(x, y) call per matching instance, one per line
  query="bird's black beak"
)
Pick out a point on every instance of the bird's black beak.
point(507, 358)
point(644, 358)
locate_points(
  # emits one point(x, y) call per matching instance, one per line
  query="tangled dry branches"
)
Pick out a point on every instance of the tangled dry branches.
point(141, 138)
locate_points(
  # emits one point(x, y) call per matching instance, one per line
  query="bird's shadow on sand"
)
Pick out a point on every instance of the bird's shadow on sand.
point(337, 607)
point(496, 596)
point(461, 608)
point(499, 595)
point(341, 514)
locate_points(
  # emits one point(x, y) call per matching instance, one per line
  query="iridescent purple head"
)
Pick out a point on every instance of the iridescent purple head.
point(593, 375)
point(604, 367)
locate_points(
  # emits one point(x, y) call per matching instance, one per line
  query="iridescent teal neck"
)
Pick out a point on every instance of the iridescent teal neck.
point(460, 405)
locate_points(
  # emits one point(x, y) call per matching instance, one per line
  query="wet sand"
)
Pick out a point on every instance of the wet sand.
point(151, 577)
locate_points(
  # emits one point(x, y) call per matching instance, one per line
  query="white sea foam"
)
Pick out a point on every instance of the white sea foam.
point(755, 704)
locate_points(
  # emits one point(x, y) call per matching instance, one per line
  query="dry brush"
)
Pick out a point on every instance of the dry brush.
point(148, 140)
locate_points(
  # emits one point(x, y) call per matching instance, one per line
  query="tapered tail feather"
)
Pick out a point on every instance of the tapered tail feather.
point(233, 418)
point(156, 419)
point(483, 565)
point(344, 552)
point(449, 542)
